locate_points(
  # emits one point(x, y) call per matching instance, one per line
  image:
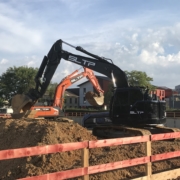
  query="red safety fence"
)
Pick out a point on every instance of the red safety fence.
point(86, 145)
point(79, 114)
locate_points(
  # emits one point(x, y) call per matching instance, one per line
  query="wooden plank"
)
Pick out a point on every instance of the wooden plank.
point(141, 178)
point(117, 165)
point(118, 141)
point(81, 171)
point(38, 150)
point(163, 156)
point(172, 174)
point(59, 175)
point(148, 166)
point(89, 170)
point(85, 162)
point(156, 137)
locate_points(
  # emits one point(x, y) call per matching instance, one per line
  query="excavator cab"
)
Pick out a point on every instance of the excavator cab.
point(132, 106)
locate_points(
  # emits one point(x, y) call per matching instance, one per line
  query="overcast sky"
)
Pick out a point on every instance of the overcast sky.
point(135, 34)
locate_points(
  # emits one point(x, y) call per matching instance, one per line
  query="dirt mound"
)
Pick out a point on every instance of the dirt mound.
point(27, 133)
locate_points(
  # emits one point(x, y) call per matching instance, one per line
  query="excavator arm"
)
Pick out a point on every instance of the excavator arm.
point(73, 78)
point(22, 103)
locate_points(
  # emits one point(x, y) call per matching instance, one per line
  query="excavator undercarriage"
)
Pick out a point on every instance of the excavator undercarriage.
point(125, 131)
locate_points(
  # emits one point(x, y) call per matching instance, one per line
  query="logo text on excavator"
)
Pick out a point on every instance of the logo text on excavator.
point(89, 63)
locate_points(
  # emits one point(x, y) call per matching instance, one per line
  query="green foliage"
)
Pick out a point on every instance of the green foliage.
point(139, 78)
point(16, 80)
point(1, 102)
point(51, 89)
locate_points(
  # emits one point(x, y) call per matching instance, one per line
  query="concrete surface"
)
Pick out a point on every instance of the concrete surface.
point(173, 122)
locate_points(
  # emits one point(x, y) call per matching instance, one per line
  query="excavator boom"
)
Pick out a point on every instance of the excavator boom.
point(22, 103)
point(95, 99)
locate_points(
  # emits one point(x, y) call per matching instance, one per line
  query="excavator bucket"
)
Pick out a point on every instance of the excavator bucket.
point(21, 105)
point(94, 99)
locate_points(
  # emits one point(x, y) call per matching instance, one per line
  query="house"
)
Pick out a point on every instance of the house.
point(71, 100)
point(168, 92)
point(172, 97)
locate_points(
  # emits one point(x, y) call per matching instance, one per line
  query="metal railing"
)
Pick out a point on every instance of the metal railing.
point(173, 114)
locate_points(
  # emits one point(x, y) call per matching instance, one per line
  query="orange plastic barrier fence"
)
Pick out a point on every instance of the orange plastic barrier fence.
point(85, 171)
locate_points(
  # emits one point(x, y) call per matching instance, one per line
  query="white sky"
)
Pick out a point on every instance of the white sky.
point(136, 35)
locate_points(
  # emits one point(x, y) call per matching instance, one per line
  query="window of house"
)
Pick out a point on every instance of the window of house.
point(75, 100)
point(84, 100)
point(70, 100)
point(84, 90)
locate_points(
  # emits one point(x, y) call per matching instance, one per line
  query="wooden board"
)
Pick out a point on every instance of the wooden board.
point(118, 141)
point(163, 156)
point(59, 175)
point(156, 137)
point(38, 150)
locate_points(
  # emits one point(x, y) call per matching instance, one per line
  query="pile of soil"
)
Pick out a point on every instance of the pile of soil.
point(37, 132)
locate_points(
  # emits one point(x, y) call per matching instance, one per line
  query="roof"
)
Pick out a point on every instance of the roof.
point(83, 83)
point(67, 93)
point(73, 91)
point(98, 77)
point(163, 87)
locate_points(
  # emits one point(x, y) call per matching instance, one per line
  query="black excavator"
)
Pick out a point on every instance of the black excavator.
point(132, 111)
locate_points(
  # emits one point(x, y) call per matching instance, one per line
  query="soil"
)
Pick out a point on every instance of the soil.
point(21, 133)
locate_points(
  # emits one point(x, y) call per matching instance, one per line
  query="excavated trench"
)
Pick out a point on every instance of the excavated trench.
point(19, 133)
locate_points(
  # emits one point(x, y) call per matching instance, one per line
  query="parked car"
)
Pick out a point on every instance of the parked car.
point(96, 119)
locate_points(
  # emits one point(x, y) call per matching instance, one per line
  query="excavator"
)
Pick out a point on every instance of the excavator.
point(132, 111)
point(55, 110)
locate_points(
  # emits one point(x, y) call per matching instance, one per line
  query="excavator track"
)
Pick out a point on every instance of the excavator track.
point(124, 131)
point(118, 131)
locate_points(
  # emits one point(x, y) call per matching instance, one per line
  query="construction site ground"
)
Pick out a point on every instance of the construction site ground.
point(19, 133)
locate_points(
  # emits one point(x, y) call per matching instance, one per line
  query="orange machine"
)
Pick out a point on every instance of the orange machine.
point(55, 109)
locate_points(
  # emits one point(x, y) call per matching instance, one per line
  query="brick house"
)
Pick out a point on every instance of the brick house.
point(168, 92)
point(172, 97)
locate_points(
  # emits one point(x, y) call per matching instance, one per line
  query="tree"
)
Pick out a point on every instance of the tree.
point(139, 78)
point(52, 89)
point(16, 80)
point(1, 102)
